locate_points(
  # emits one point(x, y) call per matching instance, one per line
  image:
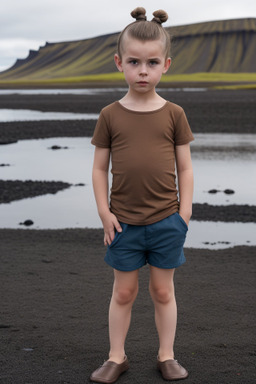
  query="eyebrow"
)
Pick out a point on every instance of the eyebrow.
point(150, 58)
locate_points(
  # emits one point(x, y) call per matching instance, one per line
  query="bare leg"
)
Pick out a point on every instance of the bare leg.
point(162, 292)
point(125, 290)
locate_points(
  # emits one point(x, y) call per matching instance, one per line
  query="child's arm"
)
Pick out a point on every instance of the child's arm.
point(185, 180)
point(100, 186)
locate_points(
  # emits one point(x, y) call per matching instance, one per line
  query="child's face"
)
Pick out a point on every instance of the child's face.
point(143, 63)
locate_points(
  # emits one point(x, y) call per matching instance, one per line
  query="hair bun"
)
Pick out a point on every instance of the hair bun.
point(160, 16)
point(139, 14)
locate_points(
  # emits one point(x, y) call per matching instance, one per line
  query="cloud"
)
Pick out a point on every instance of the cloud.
point(78, 19)
point(31, 23)
point(13, 48)
point(57, 20)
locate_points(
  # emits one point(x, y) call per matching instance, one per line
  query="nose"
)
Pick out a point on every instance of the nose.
point(143, 69)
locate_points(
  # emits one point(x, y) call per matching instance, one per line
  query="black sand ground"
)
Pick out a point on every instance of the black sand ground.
point(55, 294)
point(208, 112)
point(55, 287)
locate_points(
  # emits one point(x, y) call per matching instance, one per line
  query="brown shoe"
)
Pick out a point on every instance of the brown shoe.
point(109, 372)
point(172, 370)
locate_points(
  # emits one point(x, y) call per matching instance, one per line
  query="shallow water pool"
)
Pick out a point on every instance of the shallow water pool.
point(75, 207)
point(9, 115)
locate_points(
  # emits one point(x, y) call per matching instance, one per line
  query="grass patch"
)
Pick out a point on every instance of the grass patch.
point(117, 78)
point(111, 77)
point(236, 87)
point(211, 77)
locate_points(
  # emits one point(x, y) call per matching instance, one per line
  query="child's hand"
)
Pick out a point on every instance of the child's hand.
point(110, 223)
point(185, 216)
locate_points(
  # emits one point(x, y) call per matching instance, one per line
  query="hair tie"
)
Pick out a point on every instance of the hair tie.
point(157, 20)
point(141, 18)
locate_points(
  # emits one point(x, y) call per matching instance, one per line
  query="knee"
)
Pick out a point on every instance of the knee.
point(162, 295)
point(125, 296)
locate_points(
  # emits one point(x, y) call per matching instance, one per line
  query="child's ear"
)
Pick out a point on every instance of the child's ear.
point(167, 64)
point(118, 62)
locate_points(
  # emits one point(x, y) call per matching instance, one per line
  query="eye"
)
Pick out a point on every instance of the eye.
point(152, 63)
point(133, 62)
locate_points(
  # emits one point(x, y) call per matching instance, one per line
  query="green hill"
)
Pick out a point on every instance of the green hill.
point(227, 46)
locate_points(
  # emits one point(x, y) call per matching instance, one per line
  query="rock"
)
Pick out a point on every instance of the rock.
point(55, 147)
point(27, 223)
point(11, 190)
point(213, 191)
point(229, 191)
point(5, 326)
point(6, 142)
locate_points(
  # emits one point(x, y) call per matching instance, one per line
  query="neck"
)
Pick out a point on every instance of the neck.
point(142, 101)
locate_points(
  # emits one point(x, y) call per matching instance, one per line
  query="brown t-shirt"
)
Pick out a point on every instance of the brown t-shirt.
point(142, 146)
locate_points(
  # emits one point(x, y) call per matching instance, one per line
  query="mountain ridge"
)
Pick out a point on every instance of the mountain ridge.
point(223, 46)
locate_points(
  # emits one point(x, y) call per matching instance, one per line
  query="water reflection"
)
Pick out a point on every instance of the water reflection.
point(82, 91)
point(8, 115)
point(86, 91)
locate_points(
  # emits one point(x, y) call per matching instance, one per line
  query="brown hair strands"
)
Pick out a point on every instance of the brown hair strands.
point(144, 30)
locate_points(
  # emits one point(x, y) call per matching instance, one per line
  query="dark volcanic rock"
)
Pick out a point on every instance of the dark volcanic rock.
point(56, 147)
point(11, 190)
point(7, 141)
point(226, 213)
point(229, 191)
point(213, 191)
point(226, 191)
point(27, 223)
point(13, 131)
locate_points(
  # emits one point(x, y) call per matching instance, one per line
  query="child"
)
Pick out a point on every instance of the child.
point(145, 136)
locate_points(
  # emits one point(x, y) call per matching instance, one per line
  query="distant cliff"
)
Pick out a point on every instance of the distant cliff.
point(218, 46)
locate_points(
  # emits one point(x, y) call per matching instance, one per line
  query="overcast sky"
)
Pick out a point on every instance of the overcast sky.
point(28, 24)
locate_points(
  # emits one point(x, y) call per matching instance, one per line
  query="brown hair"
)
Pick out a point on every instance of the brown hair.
point(144, 30)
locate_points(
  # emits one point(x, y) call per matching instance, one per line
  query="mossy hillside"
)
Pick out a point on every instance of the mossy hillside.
point(219, 47)
point(236, 80)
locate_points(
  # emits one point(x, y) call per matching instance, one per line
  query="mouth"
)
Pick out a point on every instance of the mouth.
point(142, 83)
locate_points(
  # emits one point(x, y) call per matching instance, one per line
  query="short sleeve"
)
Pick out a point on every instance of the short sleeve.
point(101, 136)
point(183, 133)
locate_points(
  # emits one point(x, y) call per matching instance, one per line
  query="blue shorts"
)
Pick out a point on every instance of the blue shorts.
point(159, 244)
